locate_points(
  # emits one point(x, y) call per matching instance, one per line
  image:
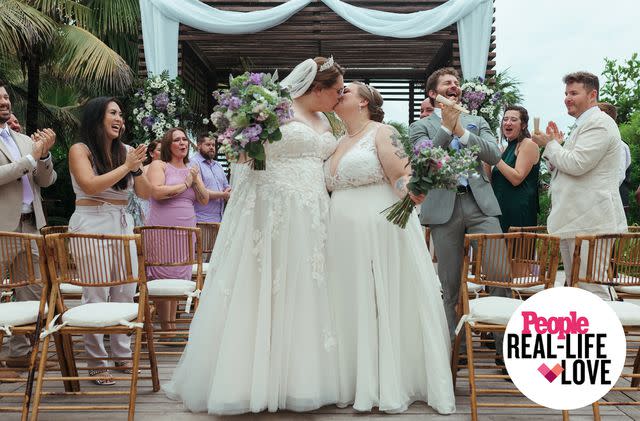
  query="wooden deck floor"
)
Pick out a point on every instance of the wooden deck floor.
point(157, 407)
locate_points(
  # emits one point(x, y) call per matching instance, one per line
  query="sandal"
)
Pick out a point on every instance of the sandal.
point(125, 367)
point(104, 377)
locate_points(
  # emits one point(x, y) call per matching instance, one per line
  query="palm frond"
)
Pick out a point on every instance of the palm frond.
point(23, 27)
point(65, 11)
point(86, 60)
point(120, 16)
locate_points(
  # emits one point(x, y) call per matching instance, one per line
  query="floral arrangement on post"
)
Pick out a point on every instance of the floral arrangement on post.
point(432, 168)
point(488, 100)
point(248, 114)
point(159, 105)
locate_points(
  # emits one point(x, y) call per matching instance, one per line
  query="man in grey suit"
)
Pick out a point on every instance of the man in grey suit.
point(473, 208)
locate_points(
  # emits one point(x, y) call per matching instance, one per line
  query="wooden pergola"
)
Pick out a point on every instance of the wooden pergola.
point(398, 67)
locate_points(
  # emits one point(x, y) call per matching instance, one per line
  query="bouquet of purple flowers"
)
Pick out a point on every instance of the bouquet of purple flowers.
point(432, 168)
point(248, 114)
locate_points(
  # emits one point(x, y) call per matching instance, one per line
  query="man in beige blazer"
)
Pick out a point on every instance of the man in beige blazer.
point(25, 167)
point(585, 175)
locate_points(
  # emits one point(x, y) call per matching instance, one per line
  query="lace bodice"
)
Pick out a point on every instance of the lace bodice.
point(359, 166)
point(294, 164)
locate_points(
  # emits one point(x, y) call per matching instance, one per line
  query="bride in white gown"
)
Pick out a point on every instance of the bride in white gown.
point(262, 337)
point(393, 341)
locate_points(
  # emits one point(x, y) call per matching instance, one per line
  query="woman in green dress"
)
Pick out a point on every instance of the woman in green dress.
point(515, 177)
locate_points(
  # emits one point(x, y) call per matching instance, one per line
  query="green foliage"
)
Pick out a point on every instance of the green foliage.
point(621, 87)
point(630, 133)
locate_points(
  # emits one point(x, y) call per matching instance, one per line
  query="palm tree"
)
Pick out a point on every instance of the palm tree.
point(66, 40)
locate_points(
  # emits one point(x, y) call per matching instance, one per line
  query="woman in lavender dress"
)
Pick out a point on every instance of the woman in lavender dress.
point(176, 187)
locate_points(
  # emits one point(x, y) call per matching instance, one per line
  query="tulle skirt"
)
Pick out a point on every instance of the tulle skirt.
point(393, 341)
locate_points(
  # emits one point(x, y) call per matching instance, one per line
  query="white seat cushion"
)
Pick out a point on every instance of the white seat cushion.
point(70, 289)
point(169, 287)
point(194, 269)
point(100, 314)
point(628, 313)
point(530, 290)
point(19, 313)
point(493, 310)
point(628, 289)
point(474, 288)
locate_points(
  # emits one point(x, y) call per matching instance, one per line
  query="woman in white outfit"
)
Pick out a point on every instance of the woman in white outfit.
point(393, 341)
point(261, 338)
point(104, 172)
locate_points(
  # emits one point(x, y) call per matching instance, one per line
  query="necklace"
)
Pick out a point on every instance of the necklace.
point(359, 131)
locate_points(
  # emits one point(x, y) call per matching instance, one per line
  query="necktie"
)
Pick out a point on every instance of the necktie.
point(27, 193)
point(456, 145)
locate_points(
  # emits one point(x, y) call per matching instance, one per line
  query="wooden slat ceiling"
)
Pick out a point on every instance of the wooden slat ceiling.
point(317, 30)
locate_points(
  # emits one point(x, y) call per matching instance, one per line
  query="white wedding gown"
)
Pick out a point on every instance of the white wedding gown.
point(262, 337)
point(393, 341)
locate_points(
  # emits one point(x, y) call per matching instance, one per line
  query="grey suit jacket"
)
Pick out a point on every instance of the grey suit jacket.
point(438, 206)
point(11, 172)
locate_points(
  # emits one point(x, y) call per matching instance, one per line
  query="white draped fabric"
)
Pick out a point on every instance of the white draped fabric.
point(161, 18)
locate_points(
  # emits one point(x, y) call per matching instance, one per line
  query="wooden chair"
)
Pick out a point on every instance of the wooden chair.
point(498, 261)
point(209, 231)
point(69, 291)
point(538, 229)
point(18, 268)
point(613, 260)
point(97, 261)
point(171, 247)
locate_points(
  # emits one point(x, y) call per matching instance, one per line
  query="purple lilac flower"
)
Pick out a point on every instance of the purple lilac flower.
point(496, 97)
point(161, 101)
point(473, 99)
point(255, 78)
point(252, 133)
point(148, 121)
point(284, 112)
point(234, 103)
point(422, 144)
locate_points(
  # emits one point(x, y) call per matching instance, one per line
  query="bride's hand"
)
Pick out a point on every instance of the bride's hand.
point(417, 199)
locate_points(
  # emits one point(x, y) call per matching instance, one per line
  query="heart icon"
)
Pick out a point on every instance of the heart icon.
point(550, 373)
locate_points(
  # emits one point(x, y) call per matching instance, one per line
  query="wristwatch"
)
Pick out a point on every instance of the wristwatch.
point(137, 172)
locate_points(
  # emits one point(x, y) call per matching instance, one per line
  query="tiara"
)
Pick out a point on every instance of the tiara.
point(327, 64)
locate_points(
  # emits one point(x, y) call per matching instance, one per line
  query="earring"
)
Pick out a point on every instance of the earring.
point(360, 109)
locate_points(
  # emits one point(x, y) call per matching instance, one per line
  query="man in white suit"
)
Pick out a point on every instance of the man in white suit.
point(25, 167)
point(584, 181)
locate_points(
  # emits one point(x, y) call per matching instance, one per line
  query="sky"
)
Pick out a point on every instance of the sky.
point(539, 41)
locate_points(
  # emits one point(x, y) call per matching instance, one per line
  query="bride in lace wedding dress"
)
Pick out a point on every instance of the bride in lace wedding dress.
point(262, 337)
point(393, 341)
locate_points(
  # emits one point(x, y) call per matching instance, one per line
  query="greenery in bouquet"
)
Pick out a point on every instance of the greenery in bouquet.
point(248, 114)
point(488, 100)
point(432, 167)
point(159, 105)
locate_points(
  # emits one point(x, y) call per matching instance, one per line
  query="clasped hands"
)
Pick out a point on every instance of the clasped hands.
point(451, 120)
point(552, 133)
point(43, 141)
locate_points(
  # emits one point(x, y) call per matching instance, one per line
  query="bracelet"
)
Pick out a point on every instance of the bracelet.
point(137, 172)
point(185, 184)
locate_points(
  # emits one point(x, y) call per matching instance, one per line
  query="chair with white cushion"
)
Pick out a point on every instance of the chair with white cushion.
point(97, 261)
point(170, 247)
point(613, 260)
point(19, 269)
point(511, 260)
point(209, 231)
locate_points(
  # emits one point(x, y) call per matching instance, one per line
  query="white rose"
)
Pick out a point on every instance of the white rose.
point(205, 121)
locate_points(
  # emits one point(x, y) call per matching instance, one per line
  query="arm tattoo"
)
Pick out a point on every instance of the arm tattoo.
point(397, 143)
point(401, 185)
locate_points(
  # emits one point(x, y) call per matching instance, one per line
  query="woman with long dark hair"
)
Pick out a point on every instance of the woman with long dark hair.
point(103, 173)
point(515, 177)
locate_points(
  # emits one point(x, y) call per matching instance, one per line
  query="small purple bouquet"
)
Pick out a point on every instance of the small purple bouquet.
point(432, 168)
point(248, 114)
